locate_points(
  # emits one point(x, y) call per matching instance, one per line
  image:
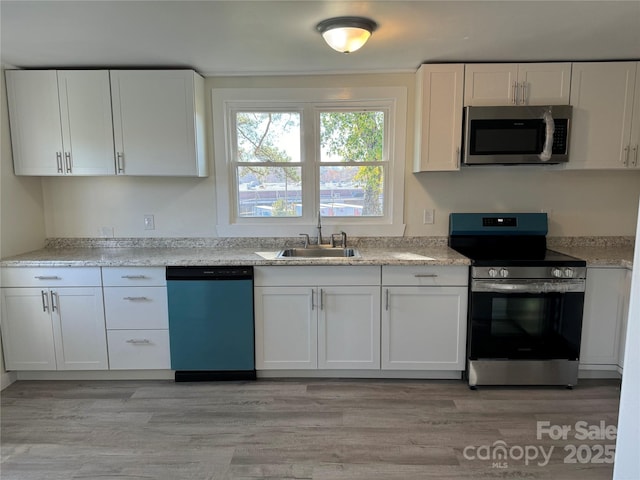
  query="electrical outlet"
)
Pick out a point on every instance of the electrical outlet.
point(429, 216)
point(149, 222)
point(105, 232)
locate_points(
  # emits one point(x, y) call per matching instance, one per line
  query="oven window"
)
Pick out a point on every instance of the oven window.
point(525, 326)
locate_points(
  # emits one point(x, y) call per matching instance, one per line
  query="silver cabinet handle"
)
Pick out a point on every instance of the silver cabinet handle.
point(139, 341)
point(312, 304)
point(59, 162)
point(45, 301)
point(634, 162)
point(47, 277)
point(458, 157)
point(321, 299)
point(135, 299)
point(514, 99)
point(54, 300)
point(426, 275)
point(134, 277)
point(386, 300)
point(523, 88)
point(120, 162)
point(67, 161)
point(625, 162)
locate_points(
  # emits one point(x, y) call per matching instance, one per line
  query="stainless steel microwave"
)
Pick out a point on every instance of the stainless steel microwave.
point(517, 135)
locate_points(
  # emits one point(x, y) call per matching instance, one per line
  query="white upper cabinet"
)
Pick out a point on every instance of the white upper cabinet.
point(438, 137)
point(101, 122)
point(517, 84)
point(158, 121)
point(60, 122)
point(605, 129)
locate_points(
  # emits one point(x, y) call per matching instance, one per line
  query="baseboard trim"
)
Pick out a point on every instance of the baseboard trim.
point(97, 375)
point(367, 374)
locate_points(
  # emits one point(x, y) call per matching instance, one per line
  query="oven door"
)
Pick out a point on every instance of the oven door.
point(522, 319)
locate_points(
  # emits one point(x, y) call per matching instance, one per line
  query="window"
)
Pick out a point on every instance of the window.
point(285, 156)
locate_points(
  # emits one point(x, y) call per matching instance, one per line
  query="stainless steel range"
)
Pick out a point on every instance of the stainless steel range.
point(525, 301)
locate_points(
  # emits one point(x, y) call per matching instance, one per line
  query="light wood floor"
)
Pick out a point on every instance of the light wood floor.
point(318, 429)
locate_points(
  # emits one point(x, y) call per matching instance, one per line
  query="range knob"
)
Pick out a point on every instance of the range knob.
point(568, 272)
point(556, 272)
point(504, 273)
point(493, 273)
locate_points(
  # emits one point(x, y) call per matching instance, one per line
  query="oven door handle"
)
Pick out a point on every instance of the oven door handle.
point(528, 287)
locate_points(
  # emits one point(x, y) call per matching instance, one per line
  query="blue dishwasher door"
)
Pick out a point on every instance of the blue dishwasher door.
point(211, 322)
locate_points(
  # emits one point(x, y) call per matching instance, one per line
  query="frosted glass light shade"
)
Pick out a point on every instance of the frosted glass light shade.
point(346, 34)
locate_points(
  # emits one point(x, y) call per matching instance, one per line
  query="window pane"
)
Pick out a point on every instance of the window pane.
point(269, 191)
point(351, 191)
point(268, 136)
point(351, 136)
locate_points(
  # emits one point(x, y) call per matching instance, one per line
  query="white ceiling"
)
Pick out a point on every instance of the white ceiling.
point(278, 37)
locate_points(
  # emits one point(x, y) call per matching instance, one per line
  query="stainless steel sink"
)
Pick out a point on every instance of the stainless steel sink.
point(318, 252)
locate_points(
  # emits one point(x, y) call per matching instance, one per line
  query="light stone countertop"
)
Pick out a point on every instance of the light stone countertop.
point(186, 256)
point(600, 256)
point(597, 251)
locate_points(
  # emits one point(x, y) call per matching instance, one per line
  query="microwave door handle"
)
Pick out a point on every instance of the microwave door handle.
point(549, 130)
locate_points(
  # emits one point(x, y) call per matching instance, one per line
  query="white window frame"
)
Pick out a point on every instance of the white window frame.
point(310, 101)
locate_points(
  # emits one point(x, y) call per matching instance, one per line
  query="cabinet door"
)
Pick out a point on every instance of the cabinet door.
point(625, 299)
point(349, 327)
point(601, 319)
point(36, 129)
point(602, 98)
point(543, 83)
point(27, 331)
point(79, 329)
point(634, 146)
point(286, 328)
point(439, 92)
point(154, 118)
point(490, 84)
point(424, 328)
point(87, 128)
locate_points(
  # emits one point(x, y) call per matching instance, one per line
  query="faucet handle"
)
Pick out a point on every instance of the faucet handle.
point(306, 239)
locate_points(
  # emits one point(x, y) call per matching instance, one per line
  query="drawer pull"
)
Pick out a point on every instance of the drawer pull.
point(47, 277)
point(139, 341)
point(134, 299)
point(426, 275)
point(134, 277)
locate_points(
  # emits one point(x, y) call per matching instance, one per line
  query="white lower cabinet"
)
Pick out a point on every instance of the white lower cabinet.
point(626, 299)
point(49, 325)
point(604, 309)
point(135, 304)
point(424, 318)
point(330, 322)
point(349, 327)
point(286, 328)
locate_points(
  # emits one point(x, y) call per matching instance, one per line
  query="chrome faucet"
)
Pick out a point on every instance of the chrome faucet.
point(319, 227)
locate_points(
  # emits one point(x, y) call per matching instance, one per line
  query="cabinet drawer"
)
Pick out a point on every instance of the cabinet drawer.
point(51, 277)
point(134, 276)
point(138, 349)
point(134, 308)
point(321, 275)
point(425, 275)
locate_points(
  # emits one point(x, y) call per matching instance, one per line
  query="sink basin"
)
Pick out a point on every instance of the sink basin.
point(315, 252)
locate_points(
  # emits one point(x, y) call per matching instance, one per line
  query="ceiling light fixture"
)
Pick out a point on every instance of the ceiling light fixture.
point(346, 34)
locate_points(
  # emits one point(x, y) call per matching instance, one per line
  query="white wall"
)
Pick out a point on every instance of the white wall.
point(580, 203)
